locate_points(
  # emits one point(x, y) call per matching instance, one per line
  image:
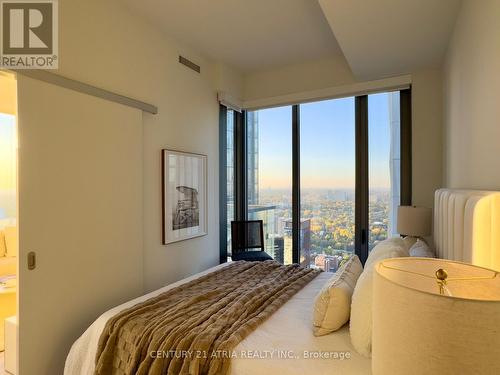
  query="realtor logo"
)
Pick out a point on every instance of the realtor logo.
point(29, 34)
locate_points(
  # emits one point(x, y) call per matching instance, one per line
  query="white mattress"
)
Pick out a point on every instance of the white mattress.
point(277, 346)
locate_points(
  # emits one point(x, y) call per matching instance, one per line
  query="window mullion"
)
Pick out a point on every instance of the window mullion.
point(296, 184)
point(361, 193)
point(406, 147)
point(223, 183)
point(240, 164)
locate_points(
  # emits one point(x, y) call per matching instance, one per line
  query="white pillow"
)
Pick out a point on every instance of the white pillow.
point(11, 241)
point(332, 305)
point(391, 248)
point(360, 326)
point(421, 249)
point(409, 241)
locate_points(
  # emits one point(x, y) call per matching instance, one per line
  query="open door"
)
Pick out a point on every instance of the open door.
point(80, 215)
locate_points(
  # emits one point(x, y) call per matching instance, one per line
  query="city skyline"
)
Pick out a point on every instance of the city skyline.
point(327, 224)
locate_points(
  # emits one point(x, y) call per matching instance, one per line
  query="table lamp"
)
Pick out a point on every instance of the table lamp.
point(434, 316)
point(414, 221)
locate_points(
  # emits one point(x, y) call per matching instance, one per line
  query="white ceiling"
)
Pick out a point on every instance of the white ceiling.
point(249, 35)
point(390, 37)
point(379, 38)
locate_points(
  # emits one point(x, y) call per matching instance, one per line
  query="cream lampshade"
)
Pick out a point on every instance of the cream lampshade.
point(414, 221)
point(433, 316)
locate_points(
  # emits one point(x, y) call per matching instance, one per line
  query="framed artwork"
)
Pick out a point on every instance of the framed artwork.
point(184, 195)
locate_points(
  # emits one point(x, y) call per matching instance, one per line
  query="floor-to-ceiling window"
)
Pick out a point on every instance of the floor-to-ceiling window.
point(8, 154)
point(325, 177)
point(327, 182)
point(269, 177)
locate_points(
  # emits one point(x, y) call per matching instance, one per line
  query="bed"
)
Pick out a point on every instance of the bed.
point(286, 333)
point(285, 344)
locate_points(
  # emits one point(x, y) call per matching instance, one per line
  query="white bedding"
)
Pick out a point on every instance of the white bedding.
point(277, 346)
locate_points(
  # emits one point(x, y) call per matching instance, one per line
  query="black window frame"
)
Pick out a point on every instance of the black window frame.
point(361, 173)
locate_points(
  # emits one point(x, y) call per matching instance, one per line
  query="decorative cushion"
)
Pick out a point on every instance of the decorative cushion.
point(252, 256)
point(3, 247)
point(332, 305)
point(11, 241)
point(409, 241)
point(421, 249)
point(390, 248)
point(360, 325)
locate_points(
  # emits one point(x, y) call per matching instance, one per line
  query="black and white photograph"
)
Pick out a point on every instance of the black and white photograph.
point(186, 213)
point(184, 195)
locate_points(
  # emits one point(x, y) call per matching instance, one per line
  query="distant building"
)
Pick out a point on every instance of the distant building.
point(395, 161)
point(305, 241)
point(253, 157)
point(328, 263)
point(230, 176)
point(279, 249)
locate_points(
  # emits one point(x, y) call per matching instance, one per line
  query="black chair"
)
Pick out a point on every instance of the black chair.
point(247, 241)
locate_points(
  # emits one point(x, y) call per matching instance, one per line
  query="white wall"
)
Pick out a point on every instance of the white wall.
point(228, 80)
point(104, 44)
point(296, 78)
point(427, 140)
point(472, 98)
point(333, 72)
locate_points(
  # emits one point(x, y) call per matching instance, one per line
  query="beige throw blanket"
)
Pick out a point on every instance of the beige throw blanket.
point(193, 328)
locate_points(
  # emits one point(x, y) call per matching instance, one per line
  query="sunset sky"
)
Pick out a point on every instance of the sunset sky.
point(7, 152)
point(327, 144)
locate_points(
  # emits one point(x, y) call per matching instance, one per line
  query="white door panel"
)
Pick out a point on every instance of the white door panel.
point(80, 210)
